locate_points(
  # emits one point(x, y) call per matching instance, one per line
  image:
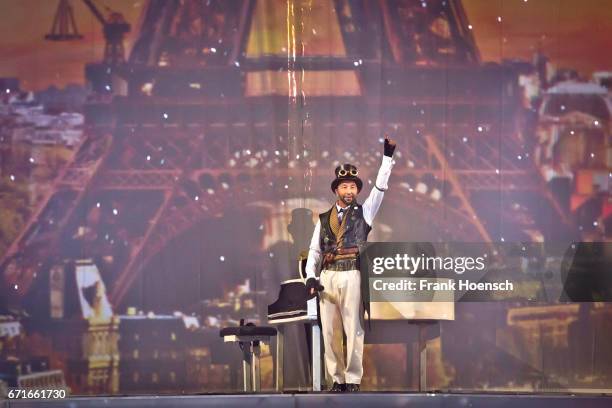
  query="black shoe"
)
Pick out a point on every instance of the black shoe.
point(352, 387)
point(338, 387)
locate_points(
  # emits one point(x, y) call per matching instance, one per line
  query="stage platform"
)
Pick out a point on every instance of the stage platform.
point(363, 399)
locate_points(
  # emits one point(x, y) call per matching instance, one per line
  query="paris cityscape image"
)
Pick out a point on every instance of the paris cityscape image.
point(164, 165)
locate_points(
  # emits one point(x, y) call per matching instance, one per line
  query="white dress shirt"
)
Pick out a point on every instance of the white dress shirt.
point(370, 208)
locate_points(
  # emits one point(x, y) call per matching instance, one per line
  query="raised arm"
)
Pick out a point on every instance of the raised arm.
point(374, 200)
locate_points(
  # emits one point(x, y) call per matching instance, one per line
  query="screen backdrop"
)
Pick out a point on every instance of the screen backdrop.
point(163, 164)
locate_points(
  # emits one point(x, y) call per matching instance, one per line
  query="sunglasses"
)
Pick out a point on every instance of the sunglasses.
point(342, 172)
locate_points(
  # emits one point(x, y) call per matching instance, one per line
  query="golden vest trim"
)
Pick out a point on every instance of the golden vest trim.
point(337, 228)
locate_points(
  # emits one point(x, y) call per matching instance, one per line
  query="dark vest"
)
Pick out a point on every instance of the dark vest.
point(356, 229)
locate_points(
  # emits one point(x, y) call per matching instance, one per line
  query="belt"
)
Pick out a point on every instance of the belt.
point(342, 265)
point(339, 254)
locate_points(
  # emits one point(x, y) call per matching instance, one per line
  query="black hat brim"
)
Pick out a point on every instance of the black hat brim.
point(357, 180)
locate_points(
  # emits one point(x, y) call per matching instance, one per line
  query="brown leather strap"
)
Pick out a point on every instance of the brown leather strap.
point(346, 251)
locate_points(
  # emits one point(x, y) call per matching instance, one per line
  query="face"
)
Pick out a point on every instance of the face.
point(347, 192)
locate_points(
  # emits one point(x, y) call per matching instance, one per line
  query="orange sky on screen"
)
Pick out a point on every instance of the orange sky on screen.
point(574, 34)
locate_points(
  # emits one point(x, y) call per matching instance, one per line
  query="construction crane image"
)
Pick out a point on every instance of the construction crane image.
point(115, 28)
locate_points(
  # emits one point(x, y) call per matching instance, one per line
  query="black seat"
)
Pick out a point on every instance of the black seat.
point(248, 331)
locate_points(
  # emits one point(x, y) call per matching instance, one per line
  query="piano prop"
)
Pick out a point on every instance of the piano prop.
point(292, 307)
point(410, 323)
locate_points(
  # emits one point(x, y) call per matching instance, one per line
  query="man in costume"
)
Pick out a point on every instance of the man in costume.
point(334, 249)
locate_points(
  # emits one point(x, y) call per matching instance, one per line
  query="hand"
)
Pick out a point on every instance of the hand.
point(389, 146)
point(312, 287)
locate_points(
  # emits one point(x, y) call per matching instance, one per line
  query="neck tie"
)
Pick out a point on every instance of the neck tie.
point(340, 214)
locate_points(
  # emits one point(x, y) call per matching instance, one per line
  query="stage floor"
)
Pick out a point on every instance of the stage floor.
point(363, 399)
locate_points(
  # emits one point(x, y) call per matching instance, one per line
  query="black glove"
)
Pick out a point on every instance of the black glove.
point(389, 146)
point(313, 283)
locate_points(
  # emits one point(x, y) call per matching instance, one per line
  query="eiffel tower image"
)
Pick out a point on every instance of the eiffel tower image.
point(218, 104)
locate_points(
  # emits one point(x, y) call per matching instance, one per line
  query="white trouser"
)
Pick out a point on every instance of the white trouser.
point(340, 307)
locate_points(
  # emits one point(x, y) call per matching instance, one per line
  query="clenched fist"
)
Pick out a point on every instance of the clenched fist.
point(389, 146)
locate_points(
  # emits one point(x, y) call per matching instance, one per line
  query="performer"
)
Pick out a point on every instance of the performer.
point(335, 243)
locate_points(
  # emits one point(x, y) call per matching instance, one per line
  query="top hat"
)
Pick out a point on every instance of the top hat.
point(346, 172)
point(301, 220)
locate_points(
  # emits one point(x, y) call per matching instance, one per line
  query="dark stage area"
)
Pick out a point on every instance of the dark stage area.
point(355, 400)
